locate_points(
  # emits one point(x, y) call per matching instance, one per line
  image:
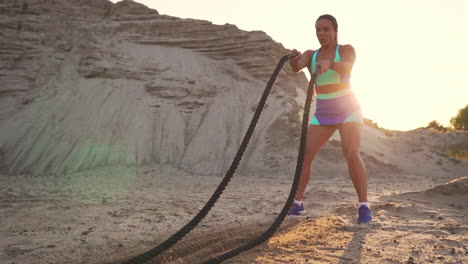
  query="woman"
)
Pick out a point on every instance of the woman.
point(336, 108)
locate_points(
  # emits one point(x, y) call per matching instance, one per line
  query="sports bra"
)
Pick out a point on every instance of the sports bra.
point(330, 76)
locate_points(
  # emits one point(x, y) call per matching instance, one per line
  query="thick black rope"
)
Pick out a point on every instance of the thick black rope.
point(152, 253)
point(300, 160)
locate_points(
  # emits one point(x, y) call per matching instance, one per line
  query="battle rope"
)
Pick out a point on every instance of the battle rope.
point(152, 253)
point(272, 229)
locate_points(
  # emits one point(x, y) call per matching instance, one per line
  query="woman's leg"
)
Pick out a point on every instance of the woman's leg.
point(350, 143)
point(316, 137)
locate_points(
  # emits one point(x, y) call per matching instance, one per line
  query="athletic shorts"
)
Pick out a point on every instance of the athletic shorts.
point(336, 108)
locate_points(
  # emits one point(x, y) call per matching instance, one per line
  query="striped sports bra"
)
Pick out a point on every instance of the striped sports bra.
point(330, 76)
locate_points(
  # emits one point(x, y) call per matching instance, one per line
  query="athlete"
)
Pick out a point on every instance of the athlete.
point(336, 109)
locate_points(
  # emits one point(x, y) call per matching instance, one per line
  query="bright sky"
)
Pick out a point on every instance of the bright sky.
point(411, 65)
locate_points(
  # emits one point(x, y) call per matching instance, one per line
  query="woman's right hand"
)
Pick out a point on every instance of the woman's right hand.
point(295, 62)
point(301, 60)
point(299, 54)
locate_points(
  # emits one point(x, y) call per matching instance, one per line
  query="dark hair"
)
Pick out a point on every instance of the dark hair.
point(331, 18)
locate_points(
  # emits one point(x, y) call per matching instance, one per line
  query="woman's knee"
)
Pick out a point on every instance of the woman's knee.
point(309, 156)
point(352, 155)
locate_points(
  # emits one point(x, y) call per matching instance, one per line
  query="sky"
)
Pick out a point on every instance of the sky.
point(411, 55)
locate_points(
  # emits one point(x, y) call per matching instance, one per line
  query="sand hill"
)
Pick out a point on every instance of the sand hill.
point(87, 84)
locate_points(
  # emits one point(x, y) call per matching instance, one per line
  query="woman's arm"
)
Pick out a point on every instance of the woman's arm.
point(348, 56)
point(300, 61)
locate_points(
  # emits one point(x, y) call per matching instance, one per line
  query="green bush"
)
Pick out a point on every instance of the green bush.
point(436, 126)
point(460, 121)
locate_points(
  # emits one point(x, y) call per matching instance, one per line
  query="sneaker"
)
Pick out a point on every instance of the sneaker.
point(365, 214)
point(296, 209)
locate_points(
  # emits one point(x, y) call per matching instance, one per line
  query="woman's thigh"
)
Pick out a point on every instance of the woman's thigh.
point(317, 136)
point(350, 138)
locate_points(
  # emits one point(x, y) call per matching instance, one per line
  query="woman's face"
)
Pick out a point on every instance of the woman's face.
point(325, 32)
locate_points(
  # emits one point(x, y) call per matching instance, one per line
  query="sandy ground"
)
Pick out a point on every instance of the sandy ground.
point(106, 215)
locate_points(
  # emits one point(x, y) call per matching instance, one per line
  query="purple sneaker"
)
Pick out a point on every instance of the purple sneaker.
point(296, 209)
point(365, 214)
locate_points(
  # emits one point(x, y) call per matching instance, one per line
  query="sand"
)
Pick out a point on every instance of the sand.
point(106, 215)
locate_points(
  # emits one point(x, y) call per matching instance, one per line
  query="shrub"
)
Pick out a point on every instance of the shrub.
point(436, 126)
point(460, 121)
